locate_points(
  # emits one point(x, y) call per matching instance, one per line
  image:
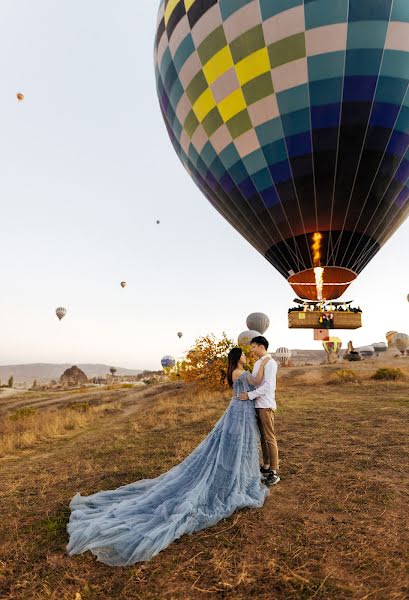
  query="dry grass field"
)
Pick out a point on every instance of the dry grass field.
point(334, 528)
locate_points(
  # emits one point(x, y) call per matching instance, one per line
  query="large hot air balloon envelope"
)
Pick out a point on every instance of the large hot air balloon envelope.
point(292, 117)
point(60, 312)
point(168, 362)
point(245, 337)
point(258, 321)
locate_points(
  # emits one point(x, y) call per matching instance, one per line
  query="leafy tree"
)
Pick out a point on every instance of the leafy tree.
point(206, 363)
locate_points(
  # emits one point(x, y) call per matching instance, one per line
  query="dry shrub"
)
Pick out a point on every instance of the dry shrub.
point(387, 374)
point(206, 363)
point(347, 376)
point(26, 427)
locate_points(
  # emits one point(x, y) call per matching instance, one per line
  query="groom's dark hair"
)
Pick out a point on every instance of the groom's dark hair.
point(261, 341)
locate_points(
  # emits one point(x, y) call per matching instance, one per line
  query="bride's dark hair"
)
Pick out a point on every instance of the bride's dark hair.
point(233, 360)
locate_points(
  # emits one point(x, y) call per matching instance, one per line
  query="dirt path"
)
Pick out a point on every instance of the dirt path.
point(333, 529)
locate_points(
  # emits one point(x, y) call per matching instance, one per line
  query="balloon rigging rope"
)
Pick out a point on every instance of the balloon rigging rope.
point(330, 250)
point(338, 244)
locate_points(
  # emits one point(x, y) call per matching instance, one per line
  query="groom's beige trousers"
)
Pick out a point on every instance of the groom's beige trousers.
point(265, 420)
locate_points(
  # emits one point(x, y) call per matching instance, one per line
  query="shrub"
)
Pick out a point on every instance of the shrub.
point(206, 363)
point(347, 376)
point(388, 374)
point(11, 381)
point(23, 413)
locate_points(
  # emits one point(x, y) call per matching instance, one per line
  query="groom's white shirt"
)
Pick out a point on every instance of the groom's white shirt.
point(264, 395)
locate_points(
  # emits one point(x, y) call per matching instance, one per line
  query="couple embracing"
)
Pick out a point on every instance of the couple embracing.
point(136, 521)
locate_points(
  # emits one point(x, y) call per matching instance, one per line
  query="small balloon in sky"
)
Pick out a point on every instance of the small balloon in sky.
point(61, 312)
point(123, 284)
point(20, 97)
point(180, 334)
point(158, 222)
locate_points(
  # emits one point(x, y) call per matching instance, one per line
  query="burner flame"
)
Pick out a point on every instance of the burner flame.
point(319, 282)
point(318, 270)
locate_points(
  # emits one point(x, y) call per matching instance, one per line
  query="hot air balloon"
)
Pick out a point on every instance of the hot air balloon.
point(113, 370)
point(293, 119)
point(245, 337)
point(123, 284)
point(20, 97)
point(389, 337)
point(401, 341)
point(158, 222)
point(168, 362)
point(258, 321)
point(366, 351)
point(333, 345)
point(60, 312)
point(283, 355)
point(379, 347)
point(180, 334)
point(407, 297)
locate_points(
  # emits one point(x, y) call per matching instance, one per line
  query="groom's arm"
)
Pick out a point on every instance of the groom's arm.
point(268, 383)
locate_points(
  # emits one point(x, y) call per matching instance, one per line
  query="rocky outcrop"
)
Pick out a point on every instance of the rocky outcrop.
point(73, 376)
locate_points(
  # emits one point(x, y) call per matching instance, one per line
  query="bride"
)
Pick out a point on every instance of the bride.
point(138, 520)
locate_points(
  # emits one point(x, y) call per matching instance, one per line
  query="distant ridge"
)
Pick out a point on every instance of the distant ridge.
point(44, 372)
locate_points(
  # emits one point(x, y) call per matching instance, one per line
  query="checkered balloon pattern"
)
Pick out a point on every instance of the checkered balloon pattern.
point(292, 117)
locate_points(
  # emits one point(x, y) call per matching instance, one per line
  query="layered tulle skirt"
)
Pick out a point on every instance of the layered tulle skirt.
point(136, 521)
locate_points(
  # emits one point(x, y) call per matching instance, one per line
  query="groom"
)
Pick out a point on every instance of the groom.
point(266, 406)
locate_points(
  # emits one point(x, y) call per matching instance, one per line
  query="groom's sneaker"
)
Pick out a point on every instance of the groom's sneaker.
point(271, 479)
point(264, 470)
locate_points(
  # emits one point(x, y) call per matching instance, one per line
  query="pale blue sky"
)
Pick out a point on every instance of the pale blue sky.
point(86, 169)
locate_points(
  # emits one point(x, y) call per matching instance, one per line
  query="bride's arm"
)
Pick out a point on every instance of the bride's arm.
point(260, 374)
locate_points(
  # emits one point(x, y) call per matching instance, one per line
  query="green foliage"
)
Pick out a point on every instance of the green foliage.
point(23, 413)
point(386, 374)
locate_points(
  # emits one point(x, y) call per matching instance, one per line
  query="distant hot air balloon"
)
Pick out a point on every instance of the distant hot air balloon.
point(401, 341)
point(366, 351)
point(123, 284)
point(157, 222)
point(379, 347)
point(407, 297)
point(20, 97)
point(113, 370)
point(61, 312)
point(245, 337)
point(168, 362)
point(283, 355)
point(389, 337)
point(258, 322)
point(292, 119)
point(180, 334)
point(333, 345)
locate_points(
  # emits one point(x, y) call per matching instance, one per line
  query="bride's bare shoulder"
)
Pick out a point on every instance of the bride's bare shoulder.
point(236, 374)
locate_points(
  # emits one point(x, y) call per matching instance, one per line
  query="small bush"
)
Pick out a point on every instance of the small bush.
point(23, 413)
point(347, 376)
point(388, 375)
point(11, 381)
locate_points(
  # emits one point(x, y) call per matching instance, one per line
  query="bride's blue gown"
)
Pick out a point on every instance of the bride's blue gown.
point(138, 520)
